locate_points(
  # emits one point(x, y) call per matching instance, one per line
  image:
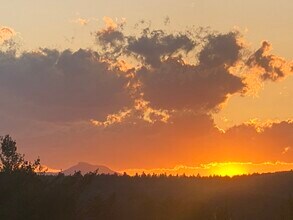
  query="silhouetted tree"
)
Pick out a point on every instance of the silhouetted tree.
point(12, 161)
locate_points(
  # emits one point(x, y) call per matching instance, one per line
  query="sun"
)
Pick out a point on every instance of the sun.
point(229, 169)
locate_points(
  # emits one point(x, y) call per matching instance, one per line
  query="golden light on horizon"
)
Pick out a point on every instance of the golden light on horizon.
point(216, 169)
point(229, 169)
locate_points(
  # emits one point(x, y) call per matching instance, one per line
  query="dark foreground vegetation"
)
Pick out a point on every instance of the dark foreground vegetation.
point(25, 194)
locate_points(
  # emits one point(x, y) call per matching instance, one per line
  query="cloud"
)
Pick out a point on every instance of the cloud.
point(90, 85)
point(142, 112)
point(109, 23)
point(61, 85)
point(111, 38)
point(81, 21)
point(167, 20)
point(140, 100)
point(176, 85)
point(6, 33)
point(221, 49)
point(265, 142)
point(111, 42)
point(112, 119)
point(153, 46)
point(269, 66)
point(166, 80)
point(286, 149)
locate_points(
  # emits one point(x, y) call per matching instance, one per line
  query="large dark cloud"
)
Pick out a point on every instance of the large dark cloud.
point(84, 85)
point(176, 85)
point(201, 87)
point(161, 108)
point(168, 82)
point(64, 85)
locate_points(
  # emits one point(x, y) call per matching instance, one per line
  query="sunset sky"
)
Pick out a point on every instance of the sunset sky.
point(191, 86)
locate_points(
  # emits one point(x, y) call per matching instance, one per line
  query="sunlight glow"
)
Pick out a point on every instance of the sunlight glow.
point(230, 169)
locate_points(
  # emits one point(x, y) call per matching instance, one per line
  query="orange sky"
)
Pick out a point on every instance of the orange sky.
point(151, 96)
point(219, 169)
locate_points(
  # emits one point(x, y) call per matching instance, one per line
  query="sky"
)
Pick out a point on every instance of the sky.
point(149, 85)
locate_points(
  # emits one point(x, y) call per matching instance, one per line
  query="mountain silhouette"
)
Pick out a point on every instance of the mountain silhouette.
point(86, 168)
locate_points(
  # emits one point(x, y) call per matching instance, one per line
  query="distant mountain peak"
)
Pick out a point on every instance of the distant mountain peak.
point(83, 164)
point(85, 167)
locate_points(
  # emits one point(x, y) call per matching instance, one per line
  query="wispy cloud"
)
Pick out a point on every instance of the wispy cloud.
point(82, 21)
point(269, 66)
point(6, 33)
